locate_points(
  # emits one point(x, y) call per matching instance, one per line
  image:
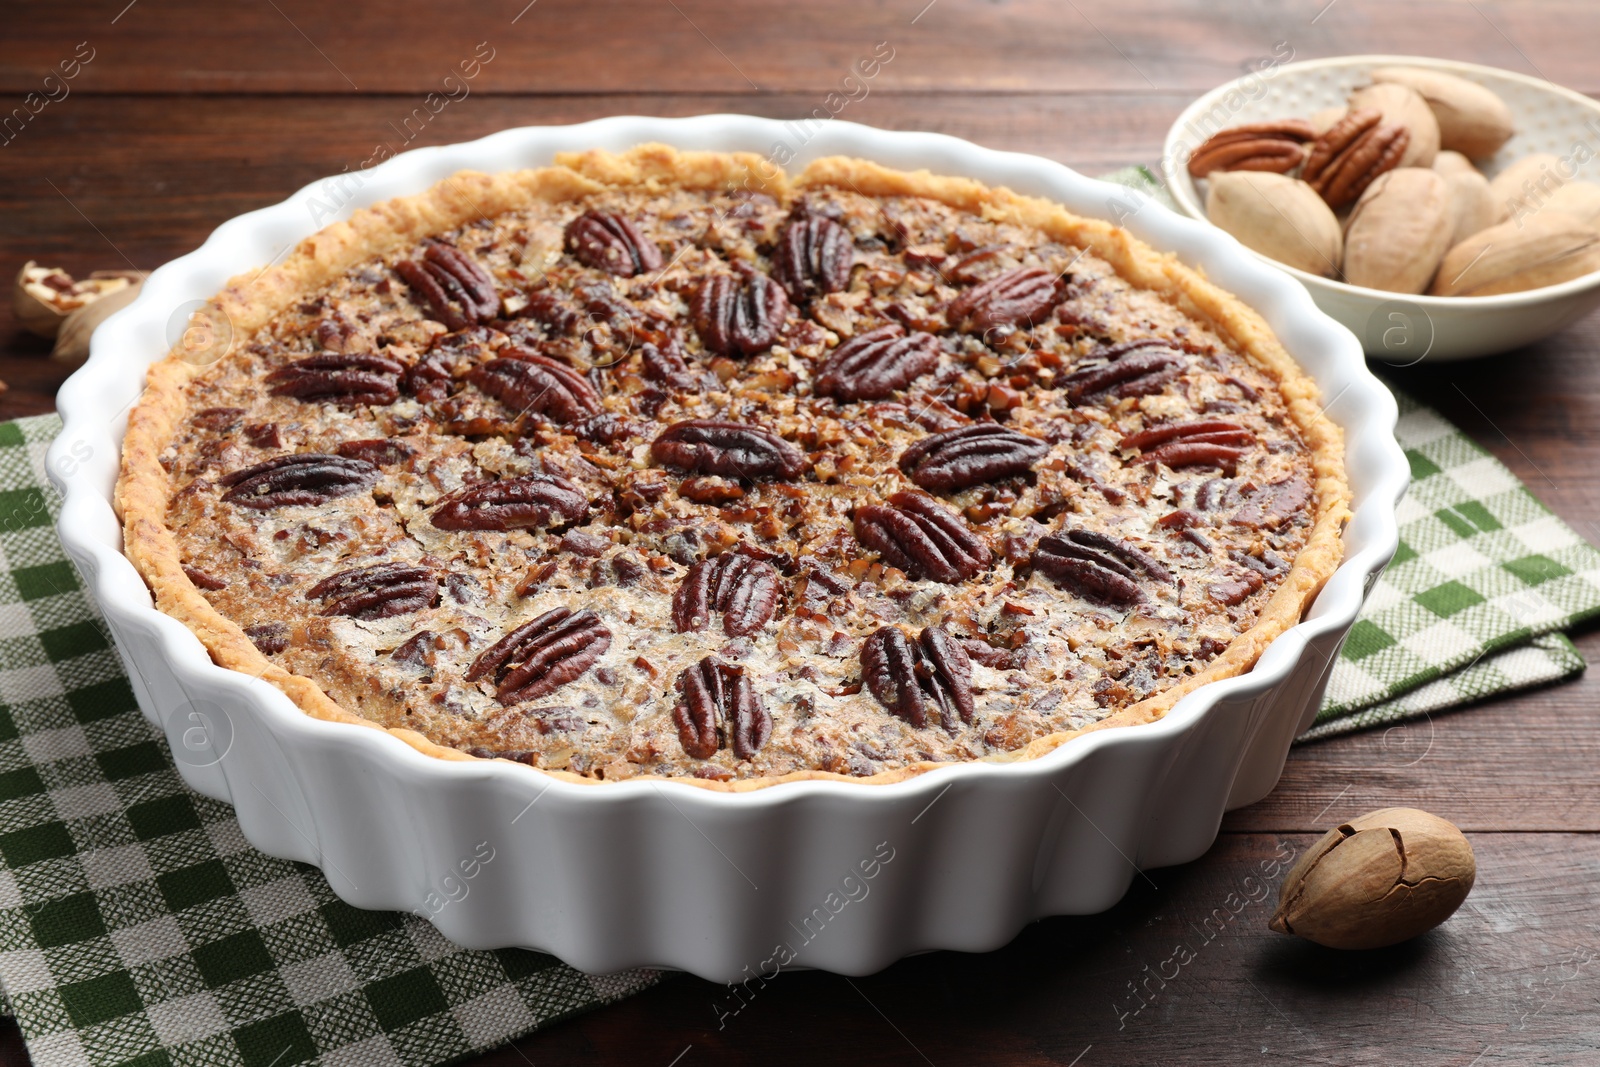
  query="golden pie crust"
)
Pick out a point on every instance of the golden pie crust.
point(252, 302)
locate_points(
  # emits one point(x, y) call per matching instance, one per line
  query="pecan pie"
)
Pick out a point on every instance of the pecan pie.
point(670, 464)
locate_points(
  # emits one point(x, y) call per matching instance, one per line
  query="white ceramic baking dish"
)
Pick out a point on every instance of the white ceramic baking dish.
point(834, 875)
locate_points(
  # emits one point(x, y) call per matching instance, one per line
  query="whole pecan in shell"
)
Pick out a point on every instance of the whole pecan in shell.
point(1351, 154)
point(512, 504)
point(1276, 146)
point(743, 588)
point(1133, 368)
point(720, 708)
point(813, 258)
point(298, 478)
point(1188, 444)
point(934, 674)
point(344, 378)
point(541, 656)
point(1020, 297)
point(610, 242)
point(1097, 567)
point(528, 382)
point(922, 537)
point(872, 365)
point(730, 449)
point(968, 455)
point(739, 316)
point(457, 289)
point(377, 592)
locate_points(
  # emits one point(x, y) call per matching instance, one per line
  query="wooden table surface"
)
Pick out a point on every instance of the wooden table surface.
point(190, 113)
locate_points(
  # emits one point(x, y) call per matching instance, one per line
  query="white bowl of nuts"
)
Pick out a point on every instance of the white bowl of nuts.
point(1439, 210)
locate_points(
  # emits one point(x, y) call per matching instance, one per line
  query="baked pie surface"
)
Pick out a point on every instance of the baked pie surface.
point(668, 464)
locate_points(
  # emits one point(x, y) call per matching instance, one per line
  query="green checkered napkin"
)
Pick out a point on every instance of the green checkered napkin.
point(1473, 604)
point(136, 925)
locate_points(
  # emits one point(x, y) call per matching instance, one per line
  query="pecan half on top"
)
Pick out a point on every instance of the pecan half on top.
point(343, 378)
point(813, 258)
point(1351, 154)
point(668, 365)
point(512, 504)
point(1133, 368)
point(969, 455)
point(377, 592)
point(456, 288)
point(739, 316)
point(743, 588)
point(531, 383)
point(541, 656)
point(922, 537)
point(378, 451)
point(1098, 567)
point(1021, 297)
point(720, 709)
point(610, 242)
point(729, 449)
point(930, 678)
point(298, 478)
point(872, 365)
point(1214, 442)
point(1276, 146)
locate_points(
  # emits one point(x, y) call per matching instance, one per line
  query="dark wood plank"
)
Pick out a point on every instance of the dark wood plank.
point(1511, 973)
point(568, 46)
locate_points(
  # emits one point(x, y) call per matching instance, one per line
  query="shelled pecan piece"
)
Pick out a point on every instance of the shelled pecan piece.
point(1133, 368)
point(911, 680)
point(428, 379)
point(667, 365)
point(1351, 154)
point(729, 449)
point(813, 258)
point(456, 287)
point(922, 537)
point(743, 588)
point(720, 709)
point(1274, 504)
point(378, 451)
point(739, 316)
point(872, 365)
point(528, 382)
point(1187, 444)
point(541, 656)
point(1276, 146)
point(270, 638)
point(1097, 567)
point(968, 455)
point(1020, 297)
point(611, 242)
point(512, 504)
point(377, 592)
point(344, 378)
point(298, 478)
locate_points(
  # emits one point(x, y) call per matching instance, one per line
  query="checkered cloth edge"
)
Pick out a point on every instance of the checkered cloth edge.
point(137, 926)
point(1483, 570)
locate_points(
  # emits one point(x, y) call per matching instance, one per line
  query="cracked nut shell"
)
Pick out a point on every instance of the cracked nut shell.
point(1377, 880)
